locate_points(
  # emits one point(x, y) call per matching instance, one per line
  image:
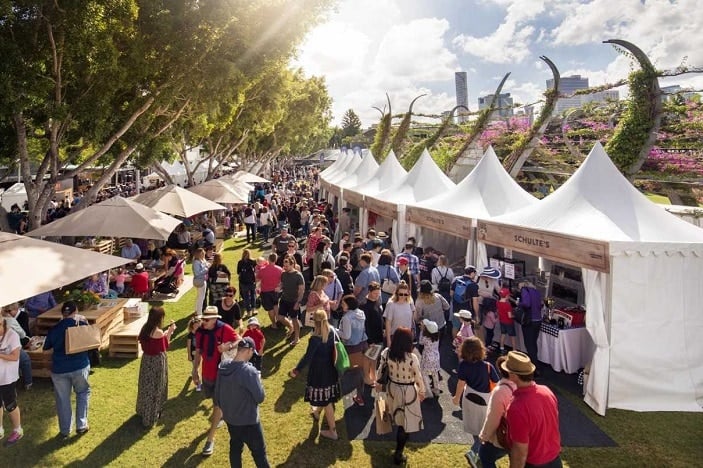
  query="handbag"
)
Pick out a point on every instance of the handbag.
point(341, 361)
point(383, 417)
point(198, 282)
point(309, 317)
point(383, 378)
point(82, 338)
point(502, 434)
point(388, 286)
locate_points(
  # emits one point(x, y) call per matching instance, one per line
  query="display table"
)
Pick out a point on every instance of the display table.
point(41, 360)
point(108, 316)
point(566, 350)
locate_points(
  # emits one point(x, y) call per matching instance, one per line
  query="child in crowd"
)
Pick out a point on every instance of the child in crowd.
point(254, 332)
point(429, 363)
point(119, 279)
point(466, 330)
point(193, 326)
point(490, 319)
point(260, 263)
point(505, 315)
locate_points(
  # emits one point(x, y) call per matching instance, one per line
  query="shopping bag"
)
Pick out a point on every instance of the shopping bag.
point(341, 360)
point(383, 417)
point(82, 338)
point(309, 314)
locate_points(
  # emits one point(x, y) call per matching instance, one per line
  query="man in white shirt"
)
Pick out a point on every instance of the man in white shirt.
point(131, 251)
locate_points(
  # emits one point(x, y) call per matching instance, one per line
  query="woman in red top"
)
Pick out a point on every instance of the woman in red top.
point(153, 371)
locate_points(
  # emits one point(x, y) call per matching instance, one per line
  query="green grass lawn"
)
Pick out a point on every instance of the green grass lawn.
point(116, 437)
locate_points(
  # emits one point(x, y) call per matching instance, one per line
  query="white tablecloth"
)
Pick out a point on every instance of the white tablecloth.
point(568, 351)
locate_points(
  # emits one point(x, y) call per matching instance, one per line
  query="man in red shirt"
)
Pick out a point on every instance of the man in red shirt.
point(270, 277)
point(213, 338)
point(533, 417)
point(140, 281)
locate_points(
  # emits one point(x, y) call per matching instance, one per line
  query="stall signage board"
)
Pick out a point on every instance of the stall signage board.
point(442, 222)
point(354, 198)
point(334, 189)
point(576, 251)
point(385, 209)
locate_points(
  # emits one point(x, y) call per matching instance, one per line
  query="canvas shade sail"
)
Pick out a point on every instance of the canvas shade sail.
point(219, 192)
point(176, 201)
point(115, 217)
point(32, 266)
point(245, 176)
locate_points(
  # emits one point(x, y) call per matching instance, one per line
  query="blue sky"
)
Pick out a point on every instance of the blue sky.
point(408, 47)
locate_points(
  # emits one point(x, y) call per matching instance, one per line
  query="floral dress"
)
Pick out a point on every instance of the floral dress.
point(430, 355)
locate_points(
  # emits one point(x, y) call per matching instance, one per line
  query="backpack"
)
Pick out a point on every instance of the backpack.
point(444, 285)
point(460, 287)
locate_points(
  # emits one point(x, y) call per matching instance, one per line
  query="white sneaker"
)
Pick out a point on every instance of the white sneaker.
point(209, 448)
point(221, 423)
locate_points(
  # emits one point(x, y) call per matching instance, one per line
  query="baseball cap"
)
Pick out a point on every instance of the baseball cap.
point(247, 343)
point(68, 308)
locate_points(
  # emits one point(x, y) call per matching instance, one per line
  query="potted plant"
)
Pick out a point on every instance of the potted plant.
point(83, 299)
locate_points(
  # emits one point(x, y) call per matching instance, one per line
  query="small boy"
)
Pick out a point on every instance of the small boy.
point(505, 316)
point(254, 332)
point(193, 325)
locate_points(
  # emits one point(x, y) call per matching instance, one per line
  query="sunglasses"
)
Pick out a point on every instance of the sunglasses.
point(403, 294)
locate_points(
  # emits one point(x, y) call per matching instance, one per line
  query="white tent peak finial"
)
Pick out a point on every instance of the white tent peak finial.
point(490, 152)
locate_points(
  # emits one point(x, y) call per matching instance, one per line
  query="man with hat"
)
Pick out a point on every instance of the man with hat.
point(238, 393)
point(413, 261)
point(464, 294)
point(140, 281)
point(213, 338)
point(69, 372)
point(533, 417)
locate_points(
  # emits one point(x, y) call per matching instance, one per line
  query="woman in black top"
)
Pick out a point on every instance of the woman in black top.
point(228, 308)
point(373, 310)
point(218, 277)
point(344, 276)
point(247, 281)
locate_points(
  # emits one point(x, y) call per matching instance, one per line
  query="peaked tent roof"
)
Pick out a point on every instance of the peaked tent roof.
point(349, 170)
point(387, 173)
point(486, 192)
point(423, 181)
point(598, 202)
point(364, 171)
point(339, 158)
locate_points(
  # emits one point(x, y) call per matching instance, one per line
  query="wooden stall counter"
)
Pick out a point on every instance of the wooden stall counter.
point(108, 317)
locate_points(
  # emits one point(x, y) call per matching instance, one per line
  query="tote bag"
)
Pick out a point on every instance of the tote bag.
point(82, 338)
point(388, 286)
point(341, 361)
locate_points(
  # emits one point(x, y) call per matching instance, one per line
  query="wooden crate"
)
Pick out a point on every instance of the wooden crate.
point(108, 317)
point(41, 363)
point(104, 246)
point(124, 341)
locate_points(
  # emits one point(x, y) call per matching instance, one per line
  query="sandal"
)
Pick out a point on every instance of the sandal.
point(330, 434)
point(294, 342)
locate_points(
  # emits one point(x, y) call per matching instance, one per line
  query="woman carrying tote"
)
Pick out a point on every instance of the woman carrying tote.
point(388, 276)
point(317, 299)
point(352, 331)
point(405, 390)
point(153, 371)
point(322, 390)
point(218, 277)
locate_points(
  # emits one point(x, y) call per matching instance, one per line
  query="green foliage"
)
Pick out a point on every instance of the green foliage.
point(636, 122)
point(351, 124)
point(380, 142)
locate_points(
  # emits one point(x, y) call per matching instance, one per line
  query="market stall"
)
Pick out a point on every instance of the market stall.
point(363, 172)
point(447, 219)
point(387, 174)
point(338, 168)
point(642, 270)
point(334, 179)
point(423, 181)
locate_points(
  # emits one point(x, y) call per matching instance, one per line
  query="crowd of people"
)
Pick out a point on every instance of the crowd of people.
point(387, 312)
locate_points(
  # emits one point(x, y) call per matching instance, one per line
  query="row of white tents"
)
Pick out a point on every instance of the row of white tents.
point(642, 267)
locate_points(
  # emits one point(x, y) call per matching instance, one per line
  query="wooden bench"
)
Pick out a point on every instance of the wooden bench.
point(124, 342)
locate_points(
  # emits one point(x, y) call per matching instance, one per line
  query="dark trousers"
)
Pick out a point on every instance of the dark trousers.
point(253, 437)
point(248, 293)
point(251, 232)
point(489, 453)
point(530, 333)
point(556, 463)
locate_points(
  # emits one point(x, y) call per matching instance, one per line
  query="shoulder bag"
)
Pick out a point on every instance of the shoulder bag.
point(80, 338)
point(341, 361)
point(502, 430)
point(388, 286)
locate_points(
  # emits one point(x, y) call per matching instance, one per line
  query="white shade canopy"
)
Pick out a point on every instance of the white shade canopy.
point(364, 171)
point(245, 176)
point(342, 158)
point(219, 191)
point(32, 266)
point(347, 171)
point(348, 160)
point(114, 217)
point(176, 201)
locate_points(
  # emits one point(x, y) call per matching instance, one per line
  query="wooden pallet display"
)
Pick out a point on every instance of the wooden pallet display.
point(104, 246)
point(124, 341)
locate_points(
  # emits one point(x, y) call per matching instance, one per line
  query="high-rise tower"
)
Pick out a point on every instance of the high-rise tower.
point(462, 94)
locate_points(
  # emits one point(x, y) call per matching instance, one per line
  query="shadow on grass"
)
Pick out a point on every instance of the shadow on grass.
point(112, 447)
point(311, 452)
point(187, 456)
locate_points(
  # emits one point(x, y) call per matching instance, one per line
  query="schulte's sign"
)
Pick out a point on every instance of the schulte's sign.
point(576, 251)
point(442, 222)
point(385, 209)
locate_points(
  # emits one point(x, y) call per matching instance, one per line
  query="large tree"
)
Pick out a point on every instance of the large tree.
point(89, 81)
point(351, 123)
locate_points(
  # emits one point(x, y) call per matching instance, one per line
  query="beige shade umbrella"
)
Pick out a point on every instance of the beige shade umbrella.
point(176, 201)
point(32, 266)
point(245, 176)
point(115, 217)
point(220, 192)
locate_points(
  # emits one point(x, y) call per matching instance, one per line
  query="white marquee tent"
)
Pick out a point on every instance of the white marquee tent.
point(350, 163)
point(341, 159)
point(643, 276)
point(355, 175)
point(17, 193)
point(386, 175)
point(486, 192)
point(423, 181)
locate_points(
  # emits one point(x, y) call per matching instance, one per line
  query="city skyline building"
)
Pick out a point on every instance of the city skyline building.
point(505, 106)
point(568, 85)
point(461, 86)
